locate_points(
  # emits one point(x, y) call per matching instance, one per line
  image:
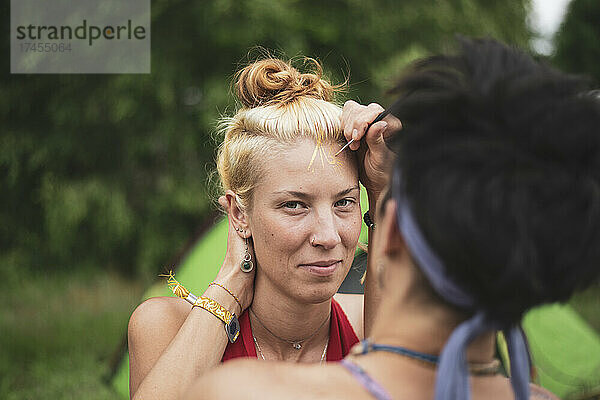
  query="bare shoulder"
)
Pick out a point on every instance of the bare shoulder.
point(353, 306)
point(156, 321)
point(539, 393)
point(253, 380)
point(158, 312)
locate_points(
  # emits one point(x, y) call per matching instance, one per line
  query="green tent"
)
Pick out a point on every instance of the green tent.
point(565, 349)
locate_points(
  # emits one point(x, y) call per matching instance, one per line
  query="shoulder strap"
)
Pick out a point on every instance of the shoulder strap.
point(370, 385)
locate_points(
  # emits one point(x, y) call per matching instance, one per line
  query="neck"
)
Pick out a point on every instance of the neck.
point(411, 317)
point(290, 319)
point(426, 328)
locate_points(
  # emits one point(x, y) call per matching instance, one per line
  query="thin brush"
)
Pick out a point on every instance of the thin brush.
point(379, 118)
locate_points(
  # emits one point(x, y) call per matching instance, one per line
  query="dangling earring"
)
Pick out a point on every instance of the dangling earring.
point(247, 265)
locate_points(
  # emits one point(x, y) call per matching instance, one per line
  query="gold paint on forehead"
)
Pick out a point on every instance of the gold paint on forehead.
point(325, 154)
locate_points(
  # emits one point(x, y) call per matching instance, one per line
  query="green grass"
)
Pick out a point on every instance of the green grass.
point(59, 331)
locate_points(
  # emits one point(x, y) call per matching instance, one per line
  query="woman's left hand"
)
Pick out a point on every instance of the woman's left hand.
point(373, 153)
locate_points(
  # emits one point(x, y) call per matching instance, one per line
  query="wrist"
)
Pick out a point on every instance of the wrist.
point(223, 298)
point(237, 301)
point(232, 325)
point(239, 283)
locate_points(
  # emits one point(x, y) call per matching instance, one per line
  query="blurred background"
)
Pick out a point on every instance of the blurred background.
point(105, 178)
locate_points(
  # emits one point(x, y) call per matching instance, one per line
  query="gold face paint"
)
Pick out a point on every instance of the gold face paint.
point(325, 154)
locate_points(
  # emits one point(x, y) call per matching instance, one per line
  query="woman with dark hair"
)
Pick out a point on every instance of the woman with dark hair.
point(493, 207)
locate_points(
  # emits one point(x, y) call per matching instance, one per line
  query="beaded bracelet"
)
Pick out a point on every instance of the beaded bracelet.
point(368, 221)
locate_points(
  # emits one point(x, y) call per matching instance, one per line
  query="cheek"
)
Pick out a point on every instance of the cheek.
point(350, 230)
point(276, 239)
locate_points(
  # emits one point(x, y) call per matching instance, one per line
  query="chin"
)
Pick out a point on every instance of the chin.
point(312, 289)
point(320, 293)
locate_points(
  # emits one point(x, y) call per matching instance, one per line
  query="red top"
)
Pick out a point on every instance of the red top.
point(341, 337)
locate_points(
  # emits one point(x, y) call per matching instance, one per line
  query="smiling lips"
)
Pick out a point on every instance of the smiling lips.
point(321, 268)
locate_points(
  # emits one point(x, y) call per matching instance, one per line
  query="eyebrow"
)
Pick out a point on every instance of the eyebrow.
point(306, 195)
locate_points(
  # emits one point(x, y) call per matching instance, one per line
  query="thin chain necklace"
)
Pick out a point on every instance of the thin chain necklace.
point(296, 344)
point(263, 357)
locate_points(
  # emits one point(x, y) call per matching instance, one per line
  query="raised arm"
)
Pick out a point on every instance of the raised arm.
point(374, 166)
point(171, 343)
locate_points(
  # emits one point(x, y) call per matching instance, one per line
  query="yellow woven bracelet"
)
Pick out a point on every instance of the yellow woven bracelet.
point(232, 326)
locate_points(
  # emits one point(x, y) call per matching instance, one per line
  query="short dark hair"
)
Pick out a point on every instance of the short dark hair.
point(500, 159)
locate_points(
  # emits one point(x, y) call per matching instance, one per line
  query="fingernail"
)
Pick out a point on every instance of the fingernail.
point(355, 134)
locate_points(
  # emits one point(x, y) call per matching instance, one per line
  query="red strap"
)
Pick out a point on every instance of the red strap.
point(341, 334)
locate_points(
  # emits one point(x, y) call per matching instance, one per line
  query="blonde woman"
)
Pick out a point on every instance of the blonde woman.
point(294, 221)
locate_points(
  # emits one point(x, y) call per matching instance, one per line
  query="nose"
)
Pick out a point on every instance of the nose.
point(326, 232)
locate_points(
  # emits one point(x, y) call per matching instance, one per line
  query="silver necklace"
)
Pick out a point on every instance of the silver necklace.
point(296, 344)
point(264, 359)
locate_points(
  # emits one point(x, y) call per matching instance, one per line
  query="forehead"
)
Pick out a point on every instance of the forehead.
point(309, 166)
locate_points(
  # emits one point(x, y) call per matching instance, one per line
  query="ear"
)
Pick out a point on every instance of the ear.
point(230, 202)
point(392, 242)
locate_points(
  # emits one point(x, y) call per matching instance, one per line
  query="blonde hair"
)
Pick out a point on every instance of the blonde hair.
point(279, 106)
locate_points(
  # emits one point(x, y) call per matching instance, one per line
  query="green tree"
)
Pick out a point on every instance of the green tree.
point(577, 41)
point(111, 170)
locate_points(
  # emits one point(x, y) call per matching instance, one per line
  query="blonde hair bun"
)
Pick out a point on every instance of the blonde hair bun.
point(273, 81)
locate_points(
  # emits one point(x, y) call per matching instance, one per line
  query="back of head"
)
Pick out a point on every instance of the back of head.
point(279, 105)
point(500, 159)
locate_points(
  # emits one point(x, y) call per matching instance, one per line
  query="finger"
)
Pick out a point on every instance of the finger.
point(250, 245)
point(223, 203)
point(394, 125)
point(357, 134)
point(374, 138)
point(234, 232)
point(368, 115)
point(235, 241)
point(362, 121)
point(349, 112)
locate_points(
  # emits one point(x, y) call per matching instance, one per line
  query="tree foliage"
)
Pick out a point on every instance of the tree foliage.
point(111, 170)
point(578, 39)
